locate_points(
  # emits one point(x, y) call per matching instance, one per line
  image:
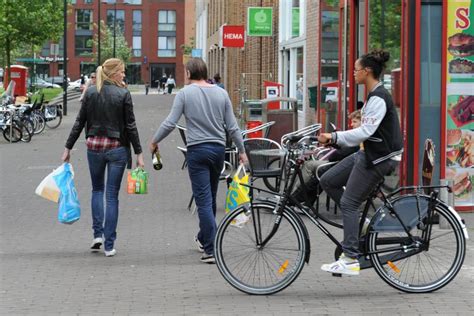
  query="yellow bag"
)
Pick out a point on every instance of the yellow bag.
point(237, 194)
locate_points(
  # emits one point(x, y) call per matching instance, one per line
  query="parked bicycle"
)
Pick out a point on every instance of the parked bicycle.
point(414, 241)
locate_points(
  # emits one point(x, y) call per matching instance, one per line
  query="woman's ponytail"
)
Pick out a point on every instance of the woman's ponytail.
point(100, 78)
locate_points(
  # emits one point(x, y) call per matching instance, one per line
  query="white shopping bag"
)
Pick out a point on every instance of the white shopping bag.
point(47, 188)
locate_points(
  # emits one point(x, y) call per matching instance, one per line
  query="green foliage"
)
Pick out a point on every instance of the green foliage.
point(122, 49)
point(188, 49)
point(384, 28)
point(49, 94)
point(28, 23)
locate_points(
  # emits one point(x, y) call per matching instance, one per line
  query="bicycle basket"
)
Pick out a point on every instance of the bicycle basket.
point(266, 158)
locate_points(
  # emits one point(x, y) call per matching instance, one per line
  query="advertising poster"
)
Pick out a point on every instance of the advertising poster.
point(460, 101)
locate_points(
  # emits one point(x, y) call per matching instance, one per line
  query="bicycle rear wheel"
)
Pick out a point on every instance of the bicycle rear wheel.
point(16, 133)
point(255, 269)
point(56, 116)
point(39, 123)
point(427, 268)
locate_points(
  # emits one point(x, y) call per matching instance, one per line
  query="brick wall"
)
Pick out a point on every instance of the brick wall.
point(260, 55)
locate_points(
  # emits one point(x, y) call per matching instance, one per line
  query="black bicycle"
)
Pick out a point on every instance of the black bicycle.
point(414, 241)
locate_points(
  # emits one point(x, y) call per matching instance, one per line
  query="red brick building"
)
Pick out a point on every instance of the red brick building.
point(154, 29)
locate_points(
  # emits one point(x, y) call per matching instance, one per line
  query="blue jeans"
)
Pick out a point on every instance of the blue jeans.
point(115, 160)
point(205, 163)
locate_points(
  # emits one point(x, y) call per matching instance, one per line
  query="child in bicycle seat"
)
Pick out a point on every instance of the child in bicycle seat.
point(310, 179)
point(360, 173)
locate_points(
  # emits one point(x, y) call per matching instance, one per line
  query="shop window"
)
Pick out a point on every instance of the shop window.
point(136, 2)
point(430, 81)
point(87, 68)
point(83, 45)
point(329, 71)
point(299, 80)
point(120, 22)
point(166, 46)
point(133, 73)
point(83, 19)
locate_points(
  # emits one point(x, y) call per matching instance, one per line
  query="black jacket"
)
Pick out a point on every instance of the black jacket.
point(108, 113)
point(387, 141)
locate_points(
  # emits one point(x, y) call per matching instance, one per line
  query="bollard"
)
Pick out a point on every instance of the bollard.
point(446, 197)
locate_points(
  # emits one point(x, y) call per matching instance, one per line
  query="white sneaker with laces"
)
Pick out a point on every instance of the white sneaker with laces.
point(344, 265)
point(110, 253)
point(96, 243)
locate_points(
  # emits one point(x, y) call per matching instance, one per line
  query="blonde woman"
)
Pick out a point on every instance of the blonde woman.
point(107, 114)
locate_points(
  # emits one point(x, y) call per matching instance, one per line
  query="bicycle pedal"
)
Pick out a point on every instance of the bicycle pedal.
point(337, 275)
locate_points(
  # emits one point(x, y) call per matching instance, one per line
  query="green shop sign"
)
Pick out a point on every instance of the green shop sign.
point(260, 21)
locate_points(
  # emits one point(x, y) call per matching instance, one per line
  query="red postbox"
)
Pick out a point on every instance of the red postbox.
point(19, 74)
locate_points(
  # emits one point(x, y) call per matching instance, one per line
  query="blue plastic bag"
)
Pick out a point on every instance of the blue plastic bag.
point(69, 208)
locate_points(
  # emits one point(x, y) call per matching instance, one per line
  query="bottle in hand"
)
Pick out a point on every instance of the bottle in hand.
point(156, 158)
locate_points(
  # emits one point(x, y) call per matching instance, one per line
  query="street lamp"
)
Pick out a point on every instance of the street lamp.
point(98, 36)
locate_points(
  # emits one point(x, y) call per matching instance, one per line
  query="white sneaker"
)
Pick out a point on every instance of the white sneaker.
point(344, 265)
point(110, 253)
point(96, 243)
point(199, 246)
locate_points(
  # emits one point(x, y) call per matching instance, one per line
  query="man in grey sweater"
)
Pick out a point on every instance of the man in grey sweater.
point(208, 113)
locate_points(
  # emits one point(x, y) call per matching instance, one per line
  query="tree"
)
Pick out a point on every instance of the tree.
point(122, 49)
point(28, 23)
point(188, 49)
point(385, 27)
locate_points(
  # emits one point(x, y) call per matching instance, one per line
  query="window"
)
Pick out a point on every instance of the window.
point(166, 20)
point(137, 22)
point(166, 46)
point(138, 2)
point(120, 19)
point(83, 45)
point(133, 73)
point(73, 1)
point(137, 46)
point(88, 1)
point(83, 19)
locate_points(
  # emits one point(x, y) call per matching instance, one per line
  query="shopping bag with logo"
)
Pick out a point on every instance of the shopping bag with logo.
point(69, 208)
point(47, 188)
point(238, 194)
point(137, 181)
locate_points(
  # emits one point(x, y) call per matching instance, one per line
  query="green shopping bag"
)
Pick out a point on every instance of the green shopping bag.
point(137, 181)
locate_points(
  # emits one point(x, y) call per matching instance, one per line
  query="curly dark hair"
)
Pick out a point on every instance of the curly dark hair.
point(375, 60)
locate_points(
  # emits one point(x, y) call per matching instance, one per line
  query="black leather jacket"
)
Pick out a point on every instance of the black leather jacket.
point(108, 113)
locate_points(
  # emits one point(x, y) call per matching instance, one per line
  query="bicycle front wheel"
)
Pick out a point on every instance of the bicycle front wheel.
point(435, 263)
point(246, 264)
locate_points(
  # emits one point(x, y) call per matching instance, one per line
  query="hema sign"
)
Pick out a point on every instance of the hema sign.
point(233, 36)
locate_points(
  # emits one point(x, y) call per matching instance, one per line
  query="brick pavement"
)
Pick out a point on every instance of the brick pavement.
point(46, 267)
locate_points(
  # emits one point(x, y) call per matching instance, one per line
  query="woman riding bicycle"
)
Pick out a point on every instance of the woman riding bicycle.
point(361, 172)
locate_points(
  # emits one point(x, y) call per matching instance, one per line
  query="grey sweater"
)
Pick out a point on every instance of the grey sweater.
point(208, 113)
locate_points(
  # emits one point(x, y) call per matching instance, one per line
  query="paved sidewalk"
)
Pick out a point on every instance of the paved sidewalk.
point(47, 269)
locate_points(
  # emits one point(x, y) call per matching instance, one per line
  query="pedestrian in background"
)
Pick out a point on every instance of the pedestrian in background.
point(217, 80)
point(90, 82)
point(170, 84)
point(107, 114)
point(206, 109)
point(162, 84)
point(147, 88)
